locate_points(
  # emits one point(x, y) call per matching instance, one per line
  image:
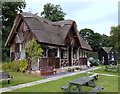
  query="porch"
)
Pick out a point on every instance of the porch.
point(63, 64)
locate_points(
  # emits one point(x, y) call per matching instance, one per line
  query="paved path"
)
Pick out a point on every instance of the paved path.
point(43, 81)
point(106, 74)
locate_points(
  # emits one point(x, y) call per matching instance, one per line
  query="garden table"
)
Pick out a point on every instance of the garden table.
point(79, 83)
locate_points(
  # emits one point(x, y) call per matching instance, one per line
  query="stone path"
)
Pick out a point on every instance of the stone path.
point(105, 74)
point(44, 80)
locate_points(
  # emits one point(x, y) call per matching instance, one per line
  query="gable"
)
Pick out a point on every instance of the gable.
point(71, 38)
point(107, 49)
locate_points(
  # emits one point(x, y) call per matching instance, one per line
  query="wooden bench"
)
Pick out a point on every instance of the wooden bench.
point(95, 76)
point(5, 76)
point(65, 87)
point(112, 67)
point(47, 70)
point(96, 90)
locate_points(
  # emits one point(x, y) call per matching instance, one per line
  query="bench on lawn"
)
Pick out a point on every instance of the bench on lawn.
point(47, 70)
point(96, 90)
point(112, 67)
point(5, 76)
point(65, 87)
point(95, 76)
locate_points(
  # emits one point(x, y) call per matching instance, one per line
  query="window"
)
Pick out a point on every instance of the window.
point(85, 54)
point(16, 47)
point(80, 53)
point(112, 57)
point(64, 54)
point(108, 56)
point(44, 52)
point(12, 56)
point(52, 52)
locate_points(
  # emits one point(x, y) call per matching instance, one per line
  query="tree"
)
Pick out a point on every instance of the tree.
point(92, 38)
point(95, 40)
point(115, 38)
point(87, 34)
point(33, 51)
point(105, 41)
point(9, 12)
point(53, 12)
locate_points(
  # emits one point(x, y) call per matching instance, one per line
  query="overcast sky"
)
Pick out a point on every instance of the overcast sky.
point(98, 15)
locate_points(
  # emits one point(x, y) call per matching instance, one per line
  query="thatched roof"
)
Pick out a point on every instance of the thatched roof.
point(49, 32)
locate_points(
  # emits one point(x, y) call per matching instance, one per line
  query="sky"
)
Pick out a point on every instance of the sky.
point(98, 15)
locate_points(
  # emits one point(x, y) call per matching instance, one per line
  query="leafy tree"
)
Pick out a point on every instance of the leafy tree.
point(53, 12)
point(87, 34)
point(95, 40)
point(9, 12)
point(33, 51)
point(105, 41)
point(115, 37)
point(92, 38)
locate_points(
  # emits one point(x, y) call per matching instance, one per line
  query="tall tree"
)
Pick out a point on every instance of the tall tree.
point(105, 41)
point(95, 40)
point(87, 34)
point(115, 37)
point(53, 12)
point(9, 12)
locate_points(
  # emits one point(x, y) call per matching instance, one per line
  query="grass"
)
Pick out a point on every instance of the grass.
point(0, 66)
point(20, 78)
point(102, 70)
point(110, 84)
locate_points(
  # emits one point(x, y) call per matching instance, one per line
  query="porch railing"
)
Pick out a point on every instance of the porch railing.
point(75, 62)
point(64, 62)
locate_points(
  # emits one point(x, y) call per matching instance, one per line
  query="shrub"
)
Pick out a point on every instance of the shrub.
point(16, 66)
point(6, 66)
point(23, 64)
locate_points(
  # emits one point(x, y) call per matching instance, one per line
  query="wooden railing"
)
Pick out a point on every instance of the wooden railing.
point(75, 62)
point(64, 62)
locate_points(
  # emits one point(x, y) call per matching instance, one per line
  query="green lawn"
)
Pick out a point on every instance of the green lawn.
point(102, 70)
point(19, 78)
point(110, 84)
point(0, 66)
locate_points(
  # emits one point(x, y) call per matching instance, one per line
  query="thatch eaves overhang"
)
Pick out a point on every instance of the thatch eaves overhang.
point(46, 31)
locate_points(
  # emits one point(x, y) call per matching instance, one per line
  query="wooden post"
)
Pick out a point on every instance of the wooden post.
point(58, 52)
point(71, 56)
point(77, 53)
point(47, 52)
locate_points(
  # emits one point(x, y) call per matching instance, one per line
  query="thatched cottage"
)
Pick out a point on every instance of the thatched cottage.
point(62, 44)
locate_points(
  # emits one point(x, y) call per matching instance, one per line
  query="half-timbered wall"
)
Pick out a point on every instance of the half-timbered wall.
point(22, 36)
